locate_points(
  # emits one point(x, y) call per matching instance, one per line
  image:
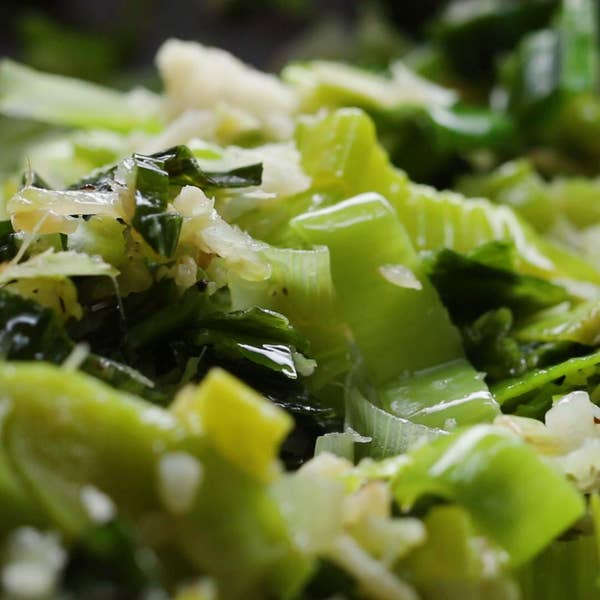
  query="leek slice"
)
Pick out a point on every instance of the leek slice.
point(407, 329)
point(501, 482)
point(60, 100)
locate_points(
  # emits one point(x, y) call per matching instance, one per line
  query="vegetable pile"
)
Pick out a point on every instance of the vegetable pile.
point(252, 347)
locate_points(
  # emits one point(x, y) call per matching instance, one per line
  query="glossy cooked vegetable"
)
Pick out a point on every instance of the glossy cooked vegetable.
point(249, 350)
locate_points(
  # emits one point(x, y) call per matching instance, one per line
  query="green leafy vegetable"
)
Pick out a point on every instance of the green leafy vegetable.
point(469, 287)
point(490, 27)
point(183, 169)
point(31, 332)
point(158, 227)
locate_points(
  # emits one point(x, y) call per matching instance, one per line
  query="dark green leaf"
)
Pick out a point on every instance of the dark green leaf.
point(432, 142)
point(168, 321)
point(490, 347)
point(101, 181)
point(29, 331)
point(469, 287)
point(8, 243)
point(276, 357)
point(259, 335)
point(109, 561)
point(183, 169)
point(257, 322)
point(160, 230)
point(236, 178)
point(472, 33)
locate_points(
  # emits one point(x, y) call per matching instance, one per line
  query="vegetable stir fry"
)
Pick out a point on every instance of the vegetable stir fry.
point(328, 334)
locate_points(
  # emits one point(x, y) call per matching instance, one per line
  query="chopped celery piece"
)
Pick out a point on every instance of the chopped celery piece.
point(565, 569)
point(543, 204)
point(390, 435)
point(341, 154)
point(52, 264)
point(228, 410)
point(87, 434)
point(576, 198)
point(442, 396)
point(580, 324)
point(339, 443)
point(452, 566)
point(59, 100)
point(100, 236)
point(323, 83)
point(515, 184)
point(500, 481)
point(407, 329)
point(419, 122)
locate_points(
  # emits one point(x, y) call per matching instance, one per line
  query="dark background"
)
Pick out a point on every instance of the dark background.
point(99, 38)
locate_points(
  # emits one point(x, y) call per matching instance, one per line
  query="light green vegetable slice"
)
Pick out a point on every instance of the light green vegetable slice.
point(566, 569)
point(341, 154)
point(442, 396)
point(390, 435)
point(99, 236)
point(452, 565)
point(60, 100)
point(325, 83)
point(52, 264)
point(580, 324)
point(435, 220)
point(501, 482)
point(407, 329)
point(340, 443)
point(225, 409)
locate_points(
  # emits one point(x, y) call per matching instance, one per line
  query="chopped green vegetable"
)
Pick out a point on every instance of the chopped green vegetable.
point(301, 366)
point(60, 100)
point(500, 482)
